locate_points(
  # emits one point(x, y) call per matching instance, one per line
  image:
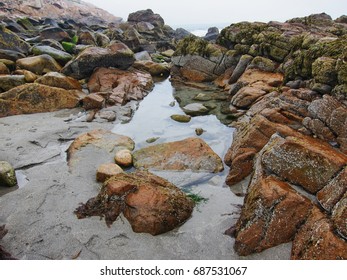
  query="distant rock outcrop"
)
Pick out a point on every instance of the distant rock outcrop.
point(76, 10)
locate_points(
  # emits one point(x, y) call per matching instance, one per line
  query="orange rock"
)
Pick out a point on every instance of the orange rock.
point(339, 215)
point(120, 85)
point(333, 192)
point(251, 76)
point(106, 171)
point(155, 69)
point(316, 240)
point(36, 98)
point(55, 79)
point(250, 139)
point(304, 160)
point(93, 101)
point(271, 214)
point(124, 158)
point(150, 203)
point(188, 154)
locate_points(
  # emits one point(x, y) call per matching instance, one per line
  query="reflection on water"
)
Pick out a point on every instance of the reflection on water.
point(152, 119)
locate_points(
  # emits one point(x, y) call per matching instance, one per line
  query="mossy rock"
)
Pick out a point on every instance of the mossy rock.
point(69, 47)
point(324, 70)
point(60, 56)
point(197, 46)
point(7, 175)
point(341, 68)
point(26, 23)
point(181, 118)
point(263, 64)
point(302, 60)
point(340, 92)
point(11, 41)
point(240, 33)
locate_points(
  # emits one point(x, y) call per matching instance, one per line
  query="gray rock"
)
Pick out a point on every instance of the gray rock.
point(60, 56)
point(240, 68)
point(195, 109)
point(8, 82)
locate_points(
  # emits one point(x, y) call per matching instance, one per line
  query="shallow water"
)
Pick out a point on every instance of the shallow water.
point(152, 119)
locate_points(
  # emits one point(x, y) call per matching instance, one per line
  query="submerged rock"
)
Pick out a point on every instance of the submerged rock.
point(195, 109)
point(181, 118)
point(7, 175)
point(150, 203)
point(189, 154)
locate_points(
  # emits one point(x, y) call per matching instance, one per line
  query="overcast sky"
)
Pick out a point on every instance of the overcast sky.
point(180, 12)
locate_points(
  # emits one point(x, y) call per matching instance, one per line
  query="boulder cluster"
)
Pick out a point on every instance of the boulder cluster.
point(283, 86)
point(51, 63)
point(287, 86)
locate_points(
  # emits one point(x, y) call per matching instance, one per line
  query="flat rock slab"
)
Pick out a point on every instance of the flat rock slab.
point(188, 154)
point(95, 146)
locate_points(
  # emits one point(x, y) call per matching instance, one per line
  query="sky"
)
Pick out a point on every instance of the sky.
point(183, 12)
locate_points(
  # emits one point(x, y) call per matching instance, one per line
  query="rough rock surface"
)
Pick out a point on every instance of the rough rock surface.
point(316, 240)
point(117, 55)
point(197, 60)
point(12, 42)
point(188, 154)
point(339, 217)
point(251, 138)
point(333, 192)
point(328, 120)
point(271, 214)
point(304, 161)
point(120, 86)
point(36, 98)
point(150, 203)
